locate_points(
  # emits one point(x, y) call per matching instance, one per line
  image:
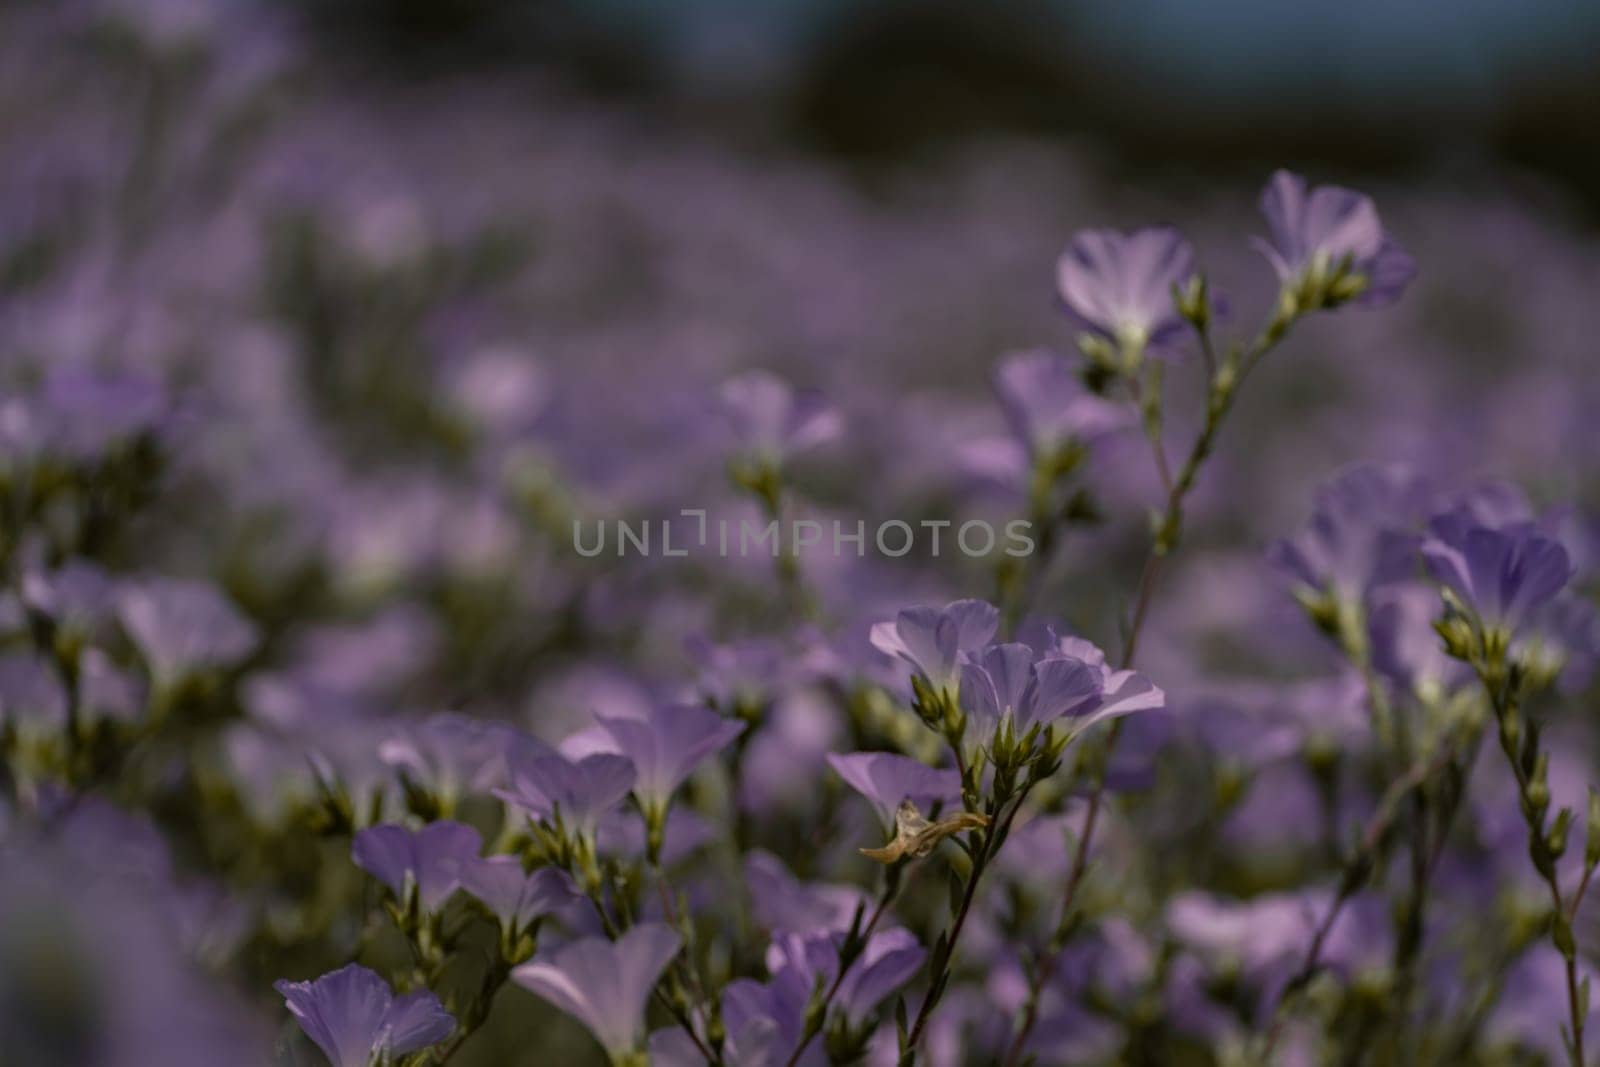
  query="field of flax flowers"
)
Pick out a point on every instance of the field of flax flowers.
point(490, 580)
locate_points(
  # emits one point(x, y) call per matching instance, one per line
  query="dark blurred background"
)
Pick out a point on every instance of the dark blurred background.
point(1169, 89)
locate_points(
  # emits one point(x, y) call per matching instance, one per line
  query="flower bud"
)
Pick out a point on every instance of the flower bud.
point(1456, 632)
point(1591, 848)
point(1557, 838)
point(1194, 301)
point(1539, 786)
point(1100, 352)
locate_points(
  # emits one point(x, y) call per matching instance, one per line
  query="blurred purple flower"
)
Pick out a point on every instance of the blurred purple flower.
point(1562, 638)
point(1257, 933)
point(1316, 231)
point(1047, 406)
point(784, 904)
point(604, 984)
point(105, 691)
point(83, 415)
point(622, 833)
point(772, 420)
point(77, 597)
point(95, 967)
point(355, 1018)
point(1361, 533)
point(1405, 647)
point(666, 747)
point(890, 959)
point(449, 755)
point(1119, 285)
point(886, 779)
point(432, 859)
point(742, 676)
point(515, 897)
point(582, 790)
point(32, 697)
point(182, 626)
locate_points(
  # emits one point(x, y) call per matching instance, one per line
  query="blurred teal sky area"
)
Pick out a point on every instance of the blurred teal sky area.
point(1453, 55)
point(1373, 84)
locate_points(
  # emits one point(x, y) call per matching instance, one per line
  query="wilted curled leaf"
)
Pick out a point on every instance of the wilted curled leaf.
point(915, 836)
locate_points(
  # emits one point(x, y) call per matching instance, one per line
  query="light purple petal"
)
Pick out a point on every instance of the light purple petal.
point(1121, 284)
point(604, 984)
point(416, 1020)
point(343, 1012)
point(667, 747)
point(886, 779)
point(890, 960)
point(1061, 686)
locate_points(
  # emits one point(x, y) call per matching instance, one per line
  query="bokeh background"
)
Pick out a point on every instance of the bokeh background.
point(404, 286)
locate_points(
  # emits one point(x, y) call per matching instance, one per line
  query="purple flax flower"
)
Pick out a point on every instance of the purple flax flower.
point(1328, 245)
point(742, 676)
point(1562, 638)
point(581, 790)
point(1011, 681)
point(355, 1018)
point(890, 959)
point(86, 415)
point(1256, 933)
point(886, 779)
point(449, 755)
point(32, 697)
point(431, 859)
point(621, 833)
point(1405, 648)
point(784, 904)
point(765, 1021)
point(77, 597)
point(1121, 692)
point(105, 691)
point(1047, 406)
point(1360, 536)
point(772, 420)
point(666, 747)
point(1499, 575)
point(182, 626)
point(515, 897)
point(1120, 286)
point(604, 984)
point(93, 966)
point(932, 640)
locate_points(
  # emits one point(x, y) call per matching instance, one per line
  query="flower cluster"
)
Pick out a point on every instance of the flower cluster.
point(303, 687)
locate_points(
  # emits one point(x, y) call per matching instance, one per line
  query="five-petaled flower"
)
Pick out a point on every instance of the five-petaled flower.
point(1498, 576)
point(1328, 246)
point(1119, 287)
point(356, 1020)
point(604, 984)
point(428, 861)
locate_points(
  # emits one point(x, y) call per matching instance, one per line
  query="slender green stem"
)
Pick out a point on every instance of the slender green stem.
point(477, 1013)
point(944, 957)
point(1226, 377)
point(1369, 850)
point(1502, 688)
